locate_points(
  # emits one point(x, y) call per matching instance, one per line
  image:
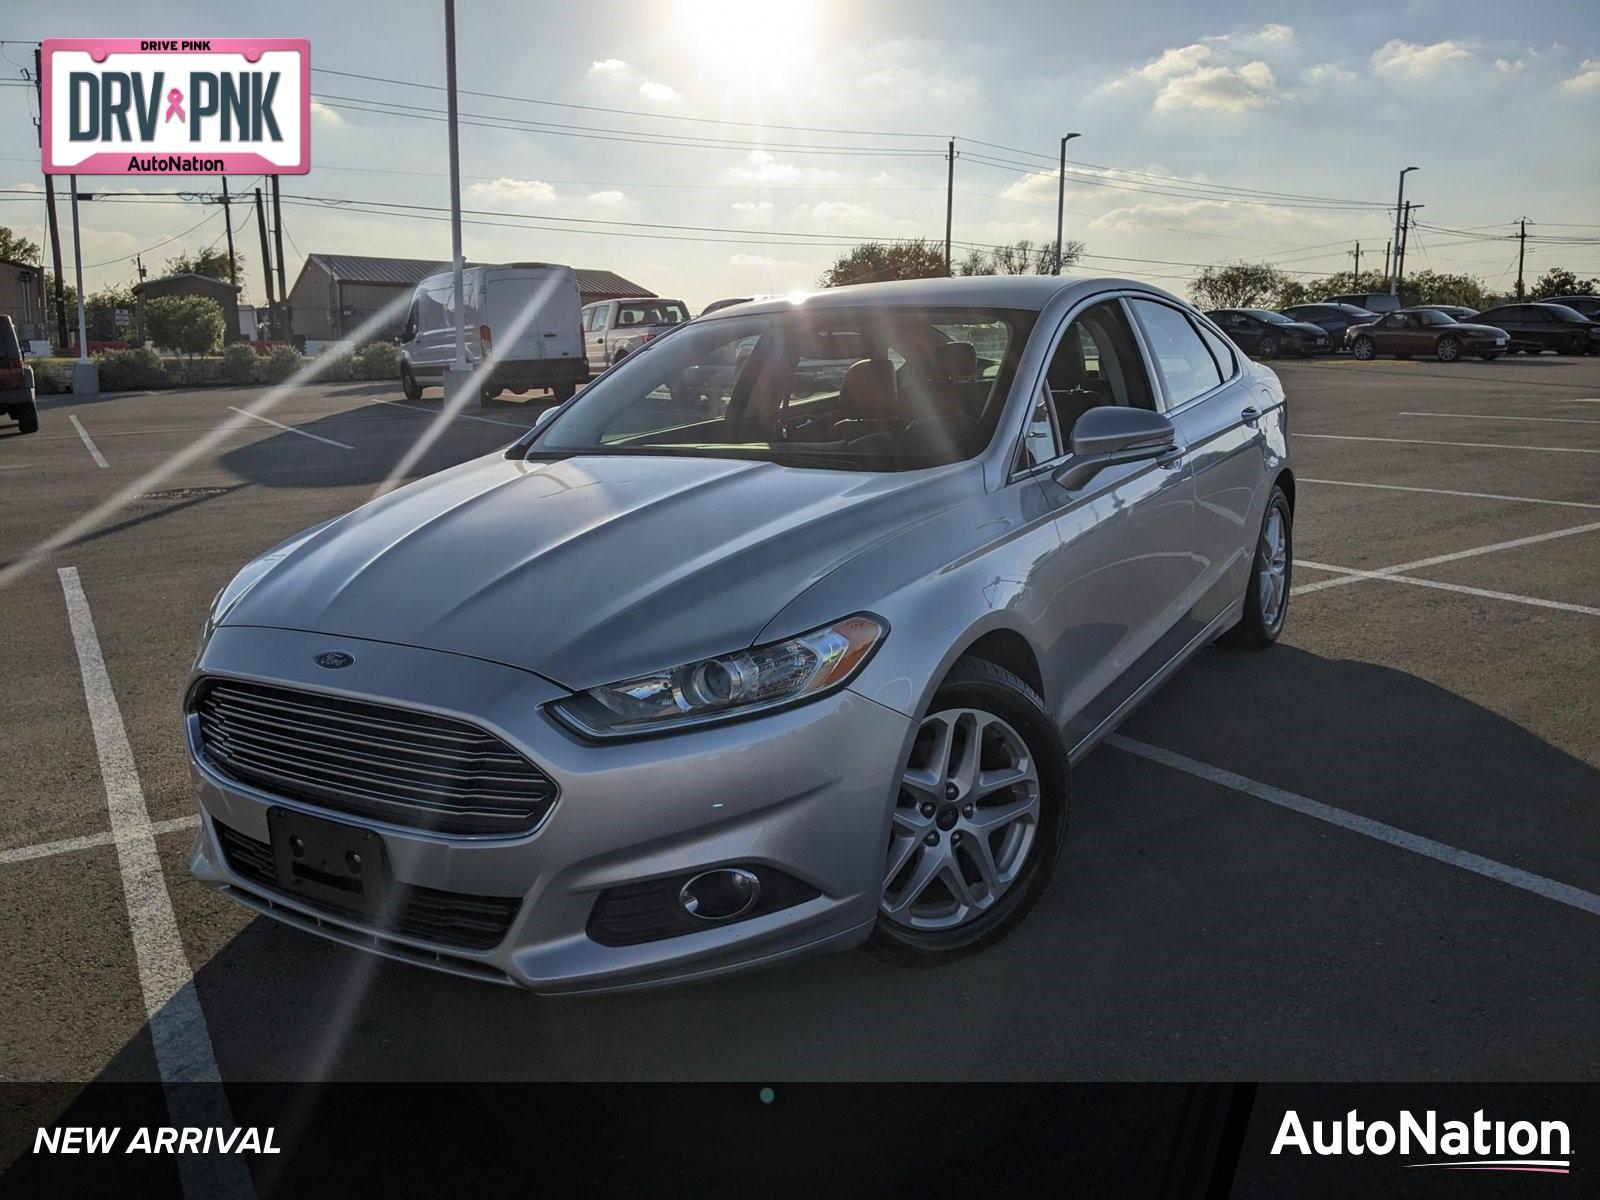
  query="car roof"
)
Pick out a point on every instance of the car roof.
point(976, 291)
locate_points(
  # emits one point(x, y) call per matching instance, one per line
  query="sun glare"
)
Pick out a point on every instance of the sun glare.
point(756, 43)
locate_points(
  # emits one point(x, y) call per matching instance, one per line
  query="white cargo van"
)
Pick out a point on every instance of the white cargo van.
point(522, 317)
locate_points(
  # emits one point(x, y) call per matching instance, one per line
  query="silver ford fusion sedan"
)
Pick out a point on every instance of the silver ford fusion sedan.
point(778, 638)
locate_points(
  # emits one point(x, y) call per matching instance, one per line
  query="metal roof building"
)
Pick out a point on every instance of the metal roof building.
point(334, 293)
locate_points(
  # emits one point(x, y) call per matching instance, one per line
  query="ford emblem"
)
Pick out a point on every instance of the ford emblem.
point(334, 660)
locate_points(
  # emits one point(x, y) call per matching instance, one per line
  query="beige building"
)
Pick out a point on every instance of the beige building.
point(22, 299)
point(335, 293)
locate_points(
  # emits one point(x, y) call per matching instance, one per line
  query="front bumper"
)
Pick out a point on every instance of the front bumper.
point(806, 790)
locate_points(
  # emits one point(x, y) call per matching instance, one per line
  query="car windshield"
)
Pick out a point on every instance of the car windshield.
point(1266, 314)
point(652, 312)
point(1432, 316)
point(865, 389)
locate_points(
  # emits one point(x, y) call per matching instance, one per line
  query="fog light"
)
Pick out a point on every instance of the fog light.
point(720, 895)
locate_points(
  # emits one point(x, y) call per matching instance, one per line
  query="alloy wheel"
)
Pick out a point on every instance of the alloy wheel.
point(1269, 347)
point(1449, 349)
point(1272, 569)
point(1363, 348)
point(964, 822)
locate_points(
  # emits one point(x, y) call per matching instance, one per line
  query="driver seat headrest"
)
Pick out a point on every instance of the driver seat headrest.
point(955, 360)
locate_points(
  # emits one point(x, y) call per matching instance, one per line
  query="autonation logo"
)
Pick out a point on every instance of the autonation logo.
point(1477, 1145)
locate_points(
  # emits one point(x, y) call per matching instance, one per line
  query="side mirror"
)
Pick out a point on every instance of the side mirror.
point(543, 418)
point(519, 447)
point(1109, 434)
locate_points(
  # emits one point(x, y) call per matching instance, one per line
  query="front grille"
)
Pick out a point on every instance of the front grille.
point(371, 760)
point(427, 914)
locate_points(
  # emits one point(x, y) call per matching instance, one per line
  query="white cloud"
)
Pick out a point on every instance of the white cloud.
point(659, 93)
point(513, 191)
point(1272, 36)
point(608, 66)
point(322, 112)
point(832, 212)
point(1221, 89)
point(1180, 60)
point(1587, 79)
point(607, 199)
point(760, 166)
point(753, 211)
point(1402, 58)
point(1322, 73)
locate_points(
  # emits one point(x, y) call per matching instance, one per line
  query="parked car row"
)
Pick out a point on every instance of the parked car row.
point(1567, 325)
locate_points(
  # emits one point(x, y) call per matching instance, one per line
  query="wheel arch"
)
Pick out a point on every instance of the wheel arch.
point(1285, 480)
point(1008, 649)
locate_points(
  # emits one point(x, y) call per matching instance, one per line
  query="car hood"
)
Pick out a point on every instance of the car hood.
point(589, 569)
point(1472, 327)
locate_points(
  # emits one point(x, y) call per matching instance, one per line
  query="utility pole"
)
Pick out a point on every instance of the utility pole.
point(1522, 252)
point(949, 200)
point(227, 221)
point(1399, 231)
point(1386, 260)
point(1405, 239)
point(456, 375)
point(277, 238)
point(138, 263)
point(50, 214)
point(1061, 196)
point(1355, 275)
point(266, 259)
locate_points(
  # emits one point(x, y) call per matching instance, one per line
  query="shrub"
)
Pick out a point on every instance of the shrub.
point(283, 362)
point(51, 376)
point(130, 370)
point(378, 360)
point(335, 365)
point(238, 364)
point(188, 324)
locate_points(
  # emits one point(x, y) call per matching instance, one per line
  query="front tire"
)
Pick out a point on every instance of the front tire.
point(1364, 348)
point(978, 821)
point(1266, 600)
point(1448, 349)
point(1267, 347)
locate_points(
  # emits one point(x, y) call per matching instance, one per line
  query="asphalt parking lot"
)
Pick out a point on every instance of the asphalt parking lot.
point(1367, 854)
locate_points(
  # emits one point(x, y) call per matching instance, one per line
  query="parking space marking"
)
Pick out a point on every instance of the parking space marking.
point(88, 442)
point(1353, 575)
point(1539, 885)
point(462, 416)
point(316, 437)
point(87, 842)
point(1497, 417)
point(1351, 437)
point(1397, 487)
point(1456, 556)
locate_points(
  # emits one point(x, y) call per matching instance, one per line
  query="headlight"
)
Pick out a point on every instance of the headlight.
point(731, 685)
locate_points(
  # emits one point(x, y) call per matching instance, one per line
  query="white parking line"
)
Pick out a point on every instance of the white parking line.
point(433, 412)
point(178, 1031)
point(316, 437)
point(1418, 564)
point(1497, 417)
point(88, 442)
point(1527, 881)
point(87, 842)
point(1352, 575)
point(1350, 437)
point(1397, 487)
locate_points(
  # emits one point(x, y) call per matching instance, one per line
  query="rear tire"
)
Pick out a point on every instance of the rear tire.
point(1267, 347)
point(1271, 574)
point(27, 416)
point(978, 699)
point(409, 384)
point(564, 392)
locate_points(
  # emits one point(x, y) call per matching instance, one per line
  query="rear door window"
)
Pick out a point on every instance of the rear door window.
point(1186, 366)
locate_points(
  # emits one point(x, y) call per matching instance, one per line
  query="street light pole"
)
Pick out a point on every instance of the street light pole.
point(85, 375)
point(457, 373)
point(1061, 197)
point(1399, 205)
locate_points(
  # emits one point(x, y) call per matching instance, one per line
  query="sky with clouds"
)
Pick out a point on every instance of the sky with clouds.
point(708, 148)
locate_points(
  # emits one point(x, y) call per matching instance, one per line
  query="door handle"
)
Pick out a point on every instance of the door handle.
point(1172, 459)
point(1250, 415)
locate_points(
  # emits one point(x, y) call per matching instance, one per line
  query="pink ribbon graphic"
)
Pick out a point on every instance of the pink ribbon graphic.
point(175, 105)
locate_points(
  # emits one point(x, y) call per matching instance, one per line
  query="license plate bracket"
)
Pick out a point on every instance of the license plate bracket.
point(333, 864)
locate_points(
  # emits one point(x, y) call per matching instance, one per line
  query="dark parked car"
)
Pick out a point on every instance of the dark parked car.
point(1378, 302)
point(16, 380)
point(1262, 333)
point(1334, 318)
point(1456, 312)
point(1535, 328)
point(1425, 331)
point(1589, 306)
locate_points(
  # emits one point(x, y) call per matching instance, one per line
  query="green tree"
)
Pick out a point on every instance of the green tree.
point(1558, 281)
point(16, 248)
point(1238, 285)
point(1023, 257)
point(100, 315)
point(209, 261)
point(873, 262)
point(188, 324)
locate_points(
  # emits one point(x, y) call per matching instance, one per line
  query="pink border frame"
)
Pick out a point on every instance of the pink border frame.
point(234, 163)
